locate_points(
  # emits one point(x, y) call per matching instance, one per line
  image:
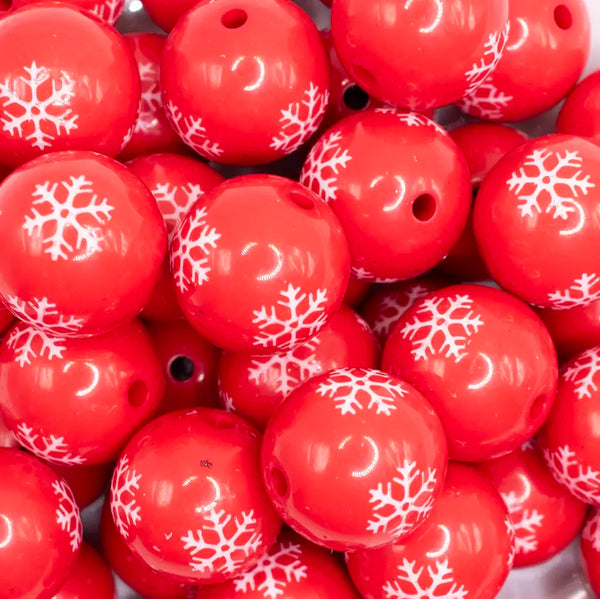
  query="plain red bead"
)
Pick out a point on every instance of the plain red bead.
point(7, 438)
point(166, 13)
point(87, 482)
point(464, 548)
point(484, 360)
point(398, 184)
point(580, 114)
point(256, 80)
point(63, 67)
point(590, 549)
point(420, 55)
point(363, 436)
point(535, 221)
point(546, 37)
point(106, 10)
point(356, 291)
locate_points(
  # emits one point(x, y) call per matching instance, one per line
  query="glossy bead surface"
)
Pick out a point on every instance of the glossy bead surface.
point(106, 10)
point(40, 528)
point(399, 186)
point(77, 401)
point(7, 438)
point(580, 114)
point(213, 519)
point(590, 549)
point(545, 194)
point(485, 362)
point(464, 549)
point(256, 80)
point(281, 249)
point(337, 436)
point(166, 14)
point(419, 55)
point(87, 482)
point(82, 249)
point(64, 67)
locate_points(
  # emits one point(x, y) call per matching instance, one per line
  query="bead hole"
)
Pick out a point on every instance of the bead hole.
point(137, 394)
point(302, 200)
point(279, 482)
point(423, 207)
point(234, 19)
point(356, 98)
point(537, 408)
point(181, 369)
point(563, 17)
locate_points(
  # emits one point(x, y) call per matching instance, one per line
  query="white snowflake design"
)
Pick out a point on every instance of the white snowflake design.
point(67, 514)
point(50, 448)
point(223, 543)
point(424, 583)
point(512, 553)
point(40, 313)
point(400, 504)
point(583, 482)
point(412, 119)
point(150, 100)
point(191, 245)
point(228, 402)
point(356, 389)
point(29, 343)
point(300, 119)
point(584, 290)
point(193, 133)
point(442, 325)
point(525, 523)
point(362, 274)
point(292, 319)
point(324, 163)
point(486, 102)
point(123, 505)
point(175, 201)
point(492, 54)
point(108, 10)
point(278, 567)
point(554, 178)
point(286, 371)
point(583, 371)
point(591, 530)
point(76, 209)
point(39, 102)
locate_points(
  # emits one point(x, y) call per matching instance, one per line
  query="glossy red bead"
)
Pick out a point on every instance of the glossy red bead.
point(7, 438)
point(590, 549)
point(106, 10)
point(40, 528)
point(464, 548)
point(419, 54)
point(62, 67)
point(399, 186)
point(83, 247)
point(543, 195)
point(87, 482)
point(166, 14)
point(337, 436)
point(356, 291)
point(580, 114)
point(278, 246)
point(485, 362)
point(186, 496)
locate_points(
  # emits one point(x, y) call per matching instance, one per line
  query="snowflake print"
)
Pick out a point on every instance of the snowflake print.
point(442, 325)
point(67, 514)
point(355, 389)
point(42, 314)
point(28, 343)
point(424, 583)
point(228, 403)
point(584, 291)
point(278, 567)
point(108, 10)
point(191, 245)
point(296, 316)
point(492, 54)
point(554, 178)
point(362, 274)
point(583, 371)
point(75, 211)
point(123, 505)
point(39, 103)
point(412, 119)
point(193, 133)
point(284, 372)
point(50, 448)
point(591, 530)
point(150, 100)
point(223, 543)
point(400, 504)
point(583, 482)
point(175, 201)
point(323, 165)
point(486, 102)
point(525, 523)
point(300, 120)
point(512, 553)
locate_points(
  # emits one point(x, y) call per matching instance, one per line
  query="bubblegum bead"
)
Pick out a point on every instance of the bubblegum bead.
point(87, 482)
point(590, 549)
point(108, 11)
point(166, 14)
point(580, 114)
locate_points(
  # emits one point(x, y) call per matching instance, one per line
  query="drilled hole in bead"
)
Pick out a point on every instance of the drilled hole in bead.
point(234, 19)
point(137, 394)
point(423, 207)
point(279, 482)
point(356, 98)
point(537, 408)
point(563, 17)
point(181, 369)
point(302, 200)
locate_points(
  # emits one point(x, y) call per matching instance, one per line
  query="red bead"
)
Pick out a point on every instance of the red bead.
point(7, 439)
point(265, 275)
point(337, 436)
point(87, 482)
point(166, 14)
point(40, 528)
point(108, 11)
point(186, 496)
point(356, 291)
point(485, 362)
point(419, 54)
point(256, 80)
point(399, 186)
point(255, 386)
point(545, 516)
point(590, 549)
point(548, 38)
point(580, 114)
point(73, 64)
point(82, 249)
point(463, 549)
point(536, 225)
